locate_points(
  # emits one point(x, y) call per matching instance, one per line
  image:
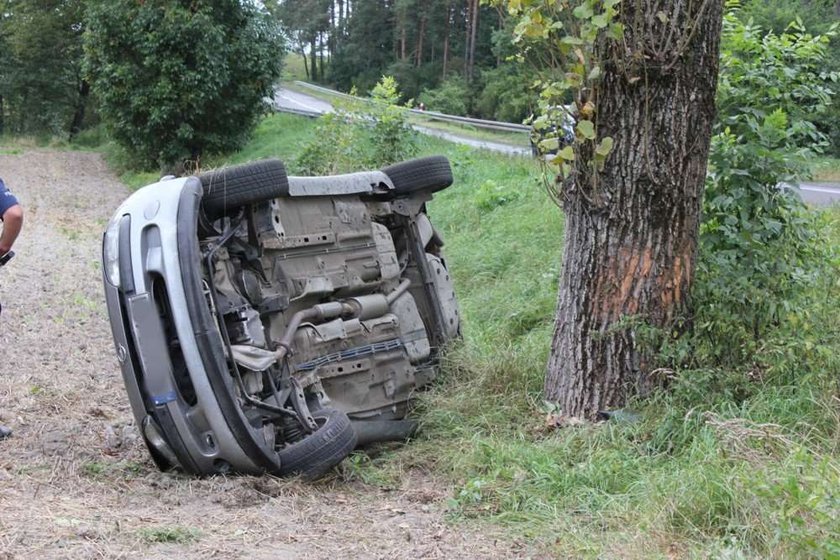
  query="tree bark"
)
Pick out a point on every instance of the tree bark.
point(631, 228)
point(446, 40)
point(418, 59)
point(79, 112)
point(305, 62)
point(314, 56)
point(473, 34)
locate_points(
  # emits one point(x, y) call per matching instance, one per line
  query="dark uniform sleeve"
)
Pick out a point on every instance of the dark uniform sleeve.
point(7, 199)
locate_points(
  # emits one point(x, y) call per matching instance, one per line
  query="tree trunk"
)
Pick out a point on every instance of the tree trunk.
point(418, 60)
point(79, 113)
point(314, 57)
point(631, 229)
point(305, 63)
point(331, 37)
point(322, 72)
point(446, 40)
point(473, 34)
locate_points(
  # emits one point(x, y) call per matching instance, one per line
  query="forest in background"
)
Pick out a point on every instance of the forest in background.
point(456, 56)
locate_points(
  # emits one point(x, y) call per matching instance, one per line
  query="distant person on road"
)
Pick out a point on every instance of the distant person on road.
point(422, 106)
point(12, 215)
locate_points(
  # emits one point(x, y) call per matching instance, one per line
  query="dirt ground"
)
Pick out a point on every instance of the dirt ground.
point(76, 481)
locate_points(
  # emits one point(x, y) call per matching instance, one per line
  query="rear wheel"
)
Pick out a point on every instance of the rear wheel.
point(423, 174)
point(230, 188)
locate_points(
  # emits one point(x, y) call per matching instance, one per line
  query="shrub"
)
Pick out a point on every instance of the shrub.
point(450, 97)
point(758, 245)
point(372, 133)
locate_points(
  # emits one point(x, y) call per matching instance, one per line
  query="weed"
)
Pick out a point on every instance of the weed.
point(175, 534)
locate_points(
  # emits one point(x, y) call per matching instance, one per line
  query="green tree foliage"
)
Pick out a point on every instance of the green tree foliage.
point(41, 84)
point(177, 79)
point(423, 44)
point(507, 94)
point(307, 22)
point(758, 245)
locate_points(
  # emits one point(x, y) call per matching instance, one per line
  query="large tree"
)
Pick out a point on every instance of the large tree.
point(643, 74)
point(180, 78)
point(41, 85)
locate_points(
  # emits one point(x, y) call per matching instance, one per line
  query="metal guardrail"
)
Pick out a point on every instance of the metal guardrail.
point(301, 112)
point(432, 115)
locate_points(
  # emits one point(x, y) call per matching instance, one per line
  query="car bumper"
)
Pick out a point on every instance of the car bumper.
point(167, 344)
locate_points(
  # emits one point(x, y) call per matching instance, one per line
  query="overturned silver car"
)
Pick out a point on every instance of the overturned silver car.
point(269, 323)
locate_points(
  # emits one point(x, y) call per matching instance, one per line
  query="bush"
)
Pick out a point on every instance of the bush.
point(451, 97)
point(758, 246)
point(507, 95)
point(367, 134)
point(176, 80)
point(392, 137)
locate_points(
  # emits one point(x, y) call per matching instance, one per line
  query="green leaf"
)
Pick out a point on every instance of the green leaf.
point(549, 144)
point(571, 40)
point(605, 146)
point(615, 31)
point(586, 129)
point(584, 11)
point(595, 73)
point(600, 21)
point(567, 153)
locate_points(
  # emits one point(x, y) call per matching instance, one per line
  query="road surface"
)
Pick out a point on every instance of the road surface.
point(817, 194)
point(287, 98)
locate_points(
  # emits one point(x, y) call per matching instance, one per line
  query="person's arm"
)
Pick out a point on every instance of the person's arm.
point(12, 222)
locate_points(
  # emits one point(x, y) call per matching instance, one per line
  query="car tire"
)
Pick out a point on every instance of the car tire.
point(423, 174)
point(321, 450)
point(230, 188)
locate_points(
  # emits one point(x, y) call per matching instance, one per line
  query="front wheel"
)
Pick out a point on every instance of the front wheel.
point(321, 450)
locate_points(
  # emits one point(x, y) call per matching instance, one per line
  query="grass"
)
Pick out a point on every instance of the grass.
point(726, 464)
point(739, 463)
point(826, 169)
point(175, 535)
point(294, 67)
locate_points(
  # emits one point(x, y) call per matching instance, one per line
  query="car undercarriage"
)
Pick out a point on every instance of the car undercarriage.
point(305, 313)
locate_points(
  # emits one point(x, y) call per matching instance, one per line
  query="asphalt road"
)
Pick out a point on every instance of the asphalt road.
point(300, 102)
point(817, 194)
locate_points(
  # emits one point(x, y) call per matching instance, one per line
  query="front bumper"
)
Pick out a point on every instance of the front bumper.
point(169, 349)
